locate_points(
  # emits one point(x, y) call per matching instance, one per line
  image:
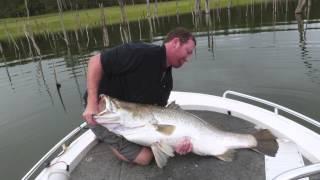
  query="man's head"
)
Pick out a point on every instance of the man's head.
point(179, 44)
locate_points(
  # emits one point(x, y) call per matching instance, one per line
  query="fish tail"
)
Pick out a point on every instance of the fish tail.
point(266, 142)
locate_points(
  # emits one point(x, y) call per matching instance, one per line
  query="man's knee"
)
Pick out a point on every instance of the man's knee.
point(118, 154)
point(144, 157)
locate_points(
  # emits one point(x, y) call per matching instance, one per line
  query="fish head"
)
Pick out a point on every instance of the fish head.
point(119, 117)
point(108, 108)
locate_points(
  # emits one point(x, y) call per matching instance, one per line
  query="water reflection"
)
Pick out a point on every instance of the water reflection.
point(301, 29)
point(41, 74)
point(75, 74)
point(303, 10)
point(210, 34)
point(6, 67)
point(58, 86)
point(231, 20)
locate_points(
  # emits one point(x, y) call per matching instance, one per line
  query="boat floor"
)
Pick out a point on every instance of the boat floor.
point(101, 164)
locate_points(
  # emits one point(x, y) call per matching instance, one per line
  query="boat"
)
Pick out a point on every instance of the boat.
point(79, 155)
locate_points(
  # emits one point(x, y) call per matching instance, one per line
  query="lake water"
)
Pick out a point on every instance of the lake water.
point(270, 54)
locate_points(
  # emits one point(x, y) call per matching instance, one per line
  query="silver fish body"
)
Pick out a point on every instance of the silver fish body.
point(162, 128)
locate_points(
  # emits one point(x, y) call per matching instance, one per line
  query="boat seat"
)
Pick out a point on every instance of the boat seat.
point(287, 158)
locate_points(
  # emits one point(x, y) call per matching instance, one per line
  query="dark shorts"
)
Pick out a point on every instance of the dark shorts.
point(128, 149)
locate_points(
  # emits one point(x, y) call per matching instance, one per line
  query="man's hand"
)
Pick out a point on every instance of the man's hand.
point(88, 114)
point(183, 147)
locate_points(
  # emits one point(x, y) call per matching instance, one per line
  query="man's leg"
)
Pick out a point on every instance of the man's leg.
point(123, 149)
point(144, 157)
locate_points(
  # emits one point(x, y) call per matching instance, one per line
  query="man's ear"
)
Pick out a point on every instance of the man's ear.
point(176, 42)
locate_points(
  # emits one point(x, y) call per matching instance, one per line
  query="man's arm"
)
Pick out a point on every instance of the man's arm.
point(94, 76)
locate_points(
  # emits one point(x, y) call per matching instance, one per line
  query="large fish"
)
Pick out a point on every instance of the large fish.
point(161, 128)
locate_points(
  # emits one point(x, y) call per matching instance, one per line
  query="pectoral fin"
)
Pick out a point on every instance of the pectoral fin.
point(165, 128)
point(162, 152)
point(227, 156)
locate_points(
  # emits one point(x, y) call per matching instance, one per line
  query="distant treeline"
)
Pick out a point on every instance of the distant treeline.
point(17, 8)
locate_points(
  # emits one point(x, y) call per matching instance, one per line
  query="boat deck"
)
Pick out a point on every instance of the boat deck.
point(100, 163)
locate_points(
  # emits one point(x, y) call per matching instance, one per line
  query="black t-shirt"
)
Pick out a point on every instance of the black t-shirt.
point(136, 72)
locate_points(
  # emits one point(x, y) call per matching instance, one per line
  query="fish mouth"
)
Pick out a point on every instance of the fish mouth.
point(107, 118)
point(106, 105)
point(107, 109)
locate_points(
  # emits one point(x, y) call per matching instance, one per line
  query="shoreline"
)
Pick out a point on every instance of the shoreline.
point(73, 20)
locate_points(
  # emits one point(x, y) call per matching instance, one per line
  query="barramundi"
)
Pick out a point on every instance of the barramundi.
point(161, 128)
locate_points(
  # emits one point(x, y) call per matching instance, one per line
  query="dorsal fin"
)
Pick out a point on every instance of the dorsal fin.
point(173, 105)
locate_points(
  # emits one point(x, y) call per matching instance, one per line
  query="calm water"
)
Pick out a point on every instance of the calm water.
point(254, 51)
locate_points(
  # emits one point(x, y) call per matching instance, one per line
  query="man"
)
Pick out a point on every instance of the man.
point(138, 73)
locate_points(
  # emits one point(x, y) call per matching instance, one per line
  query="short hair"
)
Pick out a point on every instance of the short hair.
point(182, 33)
